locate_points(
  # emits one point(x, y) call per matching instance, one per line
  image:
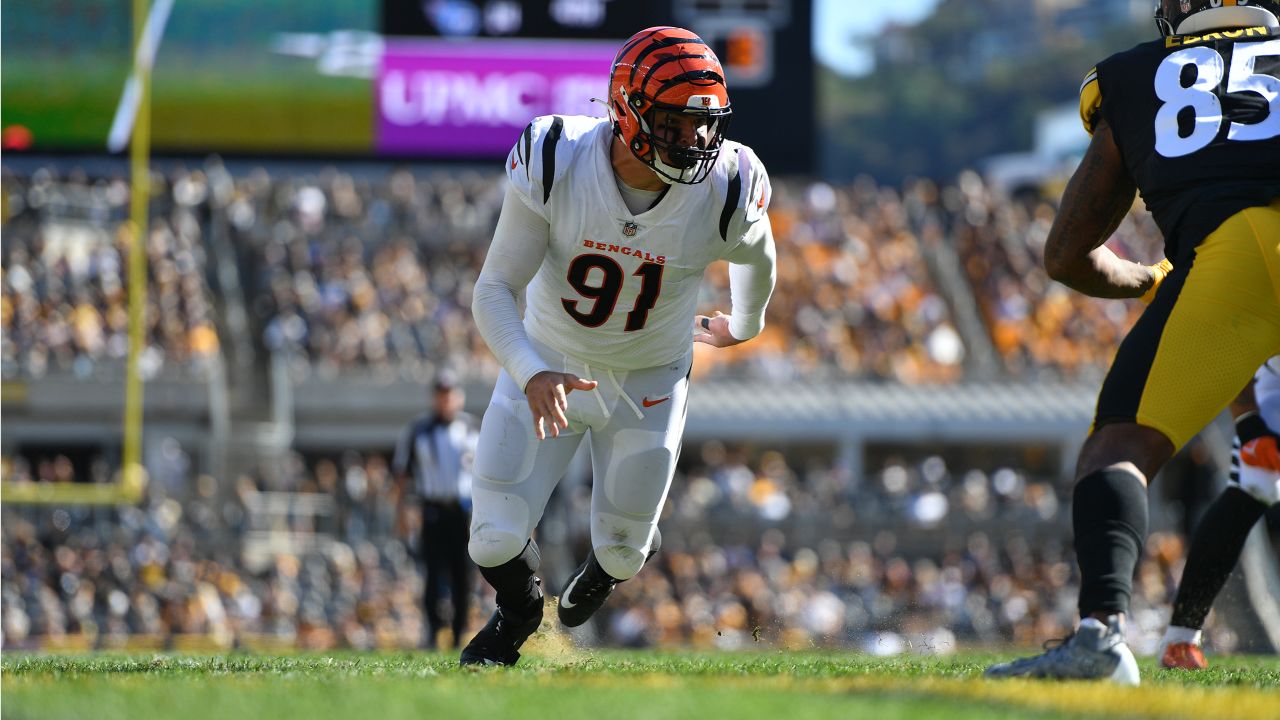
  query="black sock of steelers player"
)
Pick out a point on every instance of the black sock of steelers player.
point(1215, 549)
point(1109, 515)
point(517, 588)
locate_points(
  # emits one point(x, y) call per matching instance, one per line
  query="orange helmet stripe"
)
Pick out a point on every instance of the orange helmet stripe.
point(673, 69)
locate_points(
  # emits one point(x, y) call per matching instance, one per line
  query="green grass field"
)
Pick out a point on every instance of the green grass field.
point(559, 681)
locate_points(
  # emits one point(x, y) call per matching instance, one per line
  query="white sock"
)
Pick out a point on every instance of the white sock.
point(1177, 634)
point(1093, 623)
point(1114, 623)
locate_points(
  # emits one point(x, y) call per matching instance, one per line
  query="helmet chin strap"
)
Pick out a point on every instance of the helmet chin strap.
point(670, 174)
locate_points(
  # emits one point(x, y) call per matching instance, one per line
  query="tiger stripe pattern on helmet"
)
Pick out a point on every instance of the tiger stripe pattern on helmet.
point(669, 70)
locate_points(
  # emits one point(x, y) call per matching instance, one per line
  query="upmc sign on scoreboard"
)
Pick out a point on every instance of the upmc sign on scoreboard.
point(443, 98)
point(461, 78)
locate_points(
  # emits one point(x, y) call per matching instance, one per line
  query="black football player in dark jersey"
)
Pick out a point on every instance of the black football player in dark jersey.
point(1192, 122)
point(1253, 486)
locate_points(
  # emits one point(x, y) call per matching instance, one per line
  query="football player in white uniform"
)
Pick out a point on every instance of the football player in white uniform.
point(1219, 539)
point(608, 226)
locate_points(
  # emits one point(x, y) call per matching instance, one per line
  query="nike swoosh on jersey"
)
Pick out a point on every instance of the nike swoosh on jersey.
point(650, 403)
point(565, 602)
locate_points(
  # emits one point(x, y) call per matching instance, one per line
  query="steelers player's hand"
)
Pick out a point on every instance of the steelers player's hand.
point(548, 394)
point(1158, 273)
point(714, 330)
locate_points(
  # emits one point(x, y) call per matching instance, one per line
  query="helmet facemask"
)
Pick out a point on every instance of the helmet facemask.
point(680, 144)
point(1162, 23)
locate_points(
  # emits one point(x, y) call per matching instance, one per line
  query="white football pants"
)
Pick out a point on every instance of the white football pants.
point(634, 421)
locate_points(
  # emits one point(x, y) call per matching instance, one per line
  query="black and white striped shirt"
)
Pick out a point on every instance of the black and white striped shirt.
point(438, 456)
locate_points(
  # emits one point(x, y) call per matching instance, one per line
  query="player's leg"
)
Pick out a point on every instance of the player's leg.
point(1215, 319)
point(461, 573)
point(1220, 537)
point(1200, 341)
point(515, 474)
point(1215, 550)
point(633, 458)
point(434, 564)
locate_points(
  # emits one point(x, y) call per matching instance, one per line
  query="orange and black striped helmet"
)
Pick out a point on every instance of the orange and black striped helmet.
point(1182, 17)
point(668, 102)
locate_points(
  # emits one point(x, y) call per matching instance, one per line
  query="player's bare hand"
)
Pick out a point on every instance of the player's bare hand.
point(714, 330)
point(548, 394)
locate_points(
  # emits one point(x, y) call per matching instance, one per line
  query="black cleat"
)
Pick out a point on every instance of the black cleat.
point(499, 641)
point(587, 590)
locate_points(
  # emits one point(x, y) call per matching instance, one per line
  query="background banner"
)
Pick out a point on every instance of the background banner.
point(444, 98)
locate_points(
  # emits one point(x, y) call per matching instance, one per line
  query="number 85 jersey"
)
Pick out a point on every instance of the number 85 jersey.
point(621, 289)
point(1197, 120)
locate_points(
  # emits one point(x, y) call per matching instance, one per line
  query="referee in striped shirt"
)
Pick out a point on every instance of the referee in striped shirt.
point(436, 450)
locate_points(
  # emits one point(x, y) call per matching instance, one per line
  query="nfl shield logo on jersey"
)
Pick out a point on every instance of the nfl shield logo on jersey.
point(629, 229)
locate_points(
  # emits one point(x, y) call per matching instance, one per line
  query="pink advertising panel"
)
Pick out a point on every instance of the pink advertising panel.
point(473, 99)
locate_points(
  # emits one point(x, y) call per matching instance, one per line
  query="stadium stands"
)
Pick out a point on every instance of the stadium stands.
point(163, 574)
point(349, 275)
point(65, 279)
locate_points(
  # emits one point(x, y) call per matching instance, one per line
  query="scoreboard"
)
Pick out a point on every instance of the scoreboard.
point(558, 19)
point(424, 79)
point(764, 45)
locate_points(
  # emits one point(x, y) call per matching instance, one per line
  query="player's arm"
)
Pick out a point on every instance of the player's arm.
point(752, 272)
point(519, 246)
point(1095, 202)
point(1244, 403)
point(1093, 205)
point(401, 463)
point(752, 257)
point(1266, 392)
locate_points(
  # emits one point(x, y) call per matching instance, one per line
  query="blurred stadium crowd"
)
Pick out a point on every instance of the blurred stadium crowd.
point(65, 276)
point(352, 273)
point(346, 273)
point(162, 574)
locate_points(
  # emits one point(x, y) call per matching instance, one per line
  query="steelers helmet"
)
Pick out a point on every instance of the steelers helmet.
point(1183, 17)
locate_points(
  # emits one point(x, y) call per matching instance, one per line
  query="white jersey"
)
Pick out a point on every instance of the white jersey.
point(1266, 390)
point(616, 289)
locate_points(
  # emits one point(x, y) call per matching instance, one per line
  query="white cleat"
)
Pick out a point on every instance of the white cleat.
point(1095, 652)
